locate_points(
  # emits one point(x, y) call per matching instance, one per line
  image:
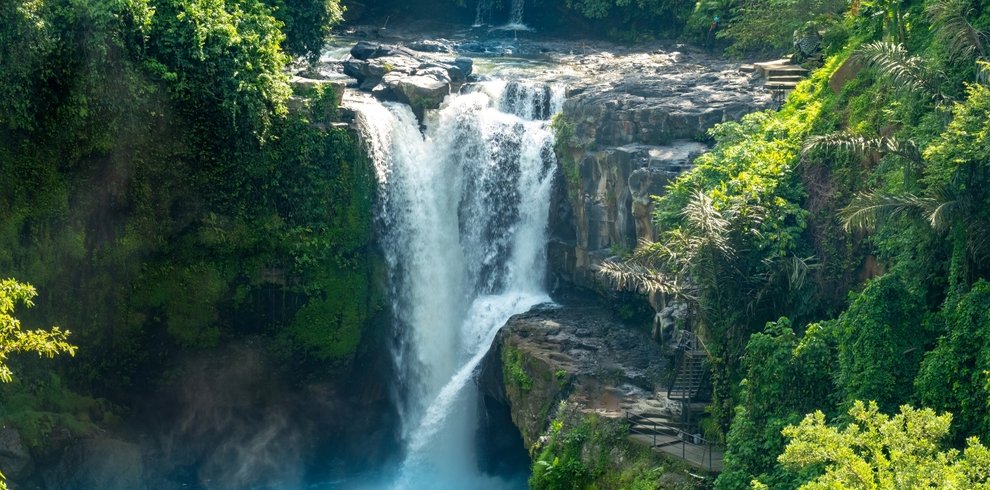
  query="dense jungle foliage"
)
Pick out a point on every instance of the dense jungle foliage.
point(162, 199)
point(837, 252)
point(742, 26)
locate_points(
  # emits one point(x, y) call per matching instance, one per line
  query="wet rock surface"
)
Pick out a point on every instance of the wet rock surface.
point(580, 353)
point(412, 75)
point(637, 125)
point(103, 463)
point(15, 460)
point(586, 341)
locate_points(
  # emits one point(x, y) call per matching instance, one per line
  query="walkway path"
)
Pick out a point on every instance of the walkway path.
point(663, 435)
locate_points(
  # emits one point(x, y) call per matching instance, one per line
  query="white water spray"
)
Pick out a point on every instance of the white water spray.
point(464, 212)
point(483, 16)
point(516, 14)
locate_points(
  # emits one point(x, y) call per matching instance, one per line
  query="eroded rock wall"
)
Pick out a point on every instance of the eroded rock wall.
point(576, 353)
point(623, 136)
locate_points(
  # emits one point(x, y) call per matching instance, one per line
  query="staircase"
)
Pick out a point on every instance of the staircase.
point(691, 374)
point(780, 77)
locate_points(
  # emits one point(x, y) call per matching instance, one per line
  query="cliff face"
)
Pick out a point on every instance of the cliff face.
point(579, 354)
point(631, 124)
point(567, 375)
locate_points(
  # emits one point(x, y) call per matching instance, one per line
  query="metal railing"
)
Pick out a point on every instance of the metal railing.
point(638, 422)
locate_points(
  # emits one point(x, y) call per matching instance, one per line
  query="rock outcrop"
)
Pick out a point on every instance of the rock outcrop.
point(580, 354)
point(103, 463)
point(634, 122)
point(411, 76)
point(15, 460)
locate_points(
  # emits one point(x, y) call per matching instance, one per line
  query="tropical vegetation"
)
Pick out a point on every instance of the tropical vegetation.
point(835, 255)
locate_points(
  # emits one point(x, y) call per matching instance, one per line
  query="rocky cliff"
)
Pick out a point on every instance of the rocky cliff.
point(568, 375)
point(633, 121)
point(577, 353)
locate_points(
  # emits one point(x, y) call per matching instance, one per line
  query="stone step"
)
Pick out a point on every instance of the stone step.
point(655, 420)
point(747, 68)
point(780, 85)
point(786, 78)
point(784, 70)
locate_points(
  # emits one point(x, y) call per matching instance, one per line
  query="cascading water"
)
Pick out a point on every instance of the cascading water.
point(516, 14)
point(484, 13)
point(464, 212)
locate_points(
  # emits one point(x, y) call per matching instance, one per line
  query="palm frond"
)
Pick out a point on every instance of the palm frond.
point(983, 71)
point(862, 145)
point(941, 214)
point(901, 68)
point(656, 255)
point(631, 277)
point(978, 240)
point(710, 226)
point(797, 269)
point(951, 27)
point(867, 210)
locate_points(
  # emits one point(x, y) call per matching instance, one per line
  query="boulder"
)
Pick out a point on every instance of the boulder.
point(363, 70)
point(422, 91)
point(465, 64)
point(402, 75)
point(107, 464)
point(15, 460)
point(431, 46)
point(365, 50)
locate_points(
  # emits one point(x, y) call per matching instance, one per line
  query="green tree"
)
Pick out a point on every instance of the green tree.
point(881, 338)
point(764, 25)
point(307, 24)
point(786, 376)
point(882, 452)
point(954, 375)
point(14, 339)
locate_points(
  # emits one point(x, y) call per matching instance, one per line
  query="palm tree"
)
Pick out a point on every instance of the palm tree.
point(951, 26)
point(685, 260)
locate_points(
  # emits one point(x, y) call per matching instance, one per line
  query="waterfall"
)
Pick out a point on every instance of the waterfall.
point(463, 210)
point(516, 14)
point(484, 13)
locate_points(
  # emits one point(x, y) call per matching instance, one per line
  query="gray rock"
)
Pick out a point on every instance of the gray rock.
point(105, 464)
point(604, 363)
point(399, 74)
point(637, 120)
point(365, 50)
point(613, 208)
point(465, 64)
point(15, 460)
point(425, 90)
point(430, 46)
point(363, 70)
